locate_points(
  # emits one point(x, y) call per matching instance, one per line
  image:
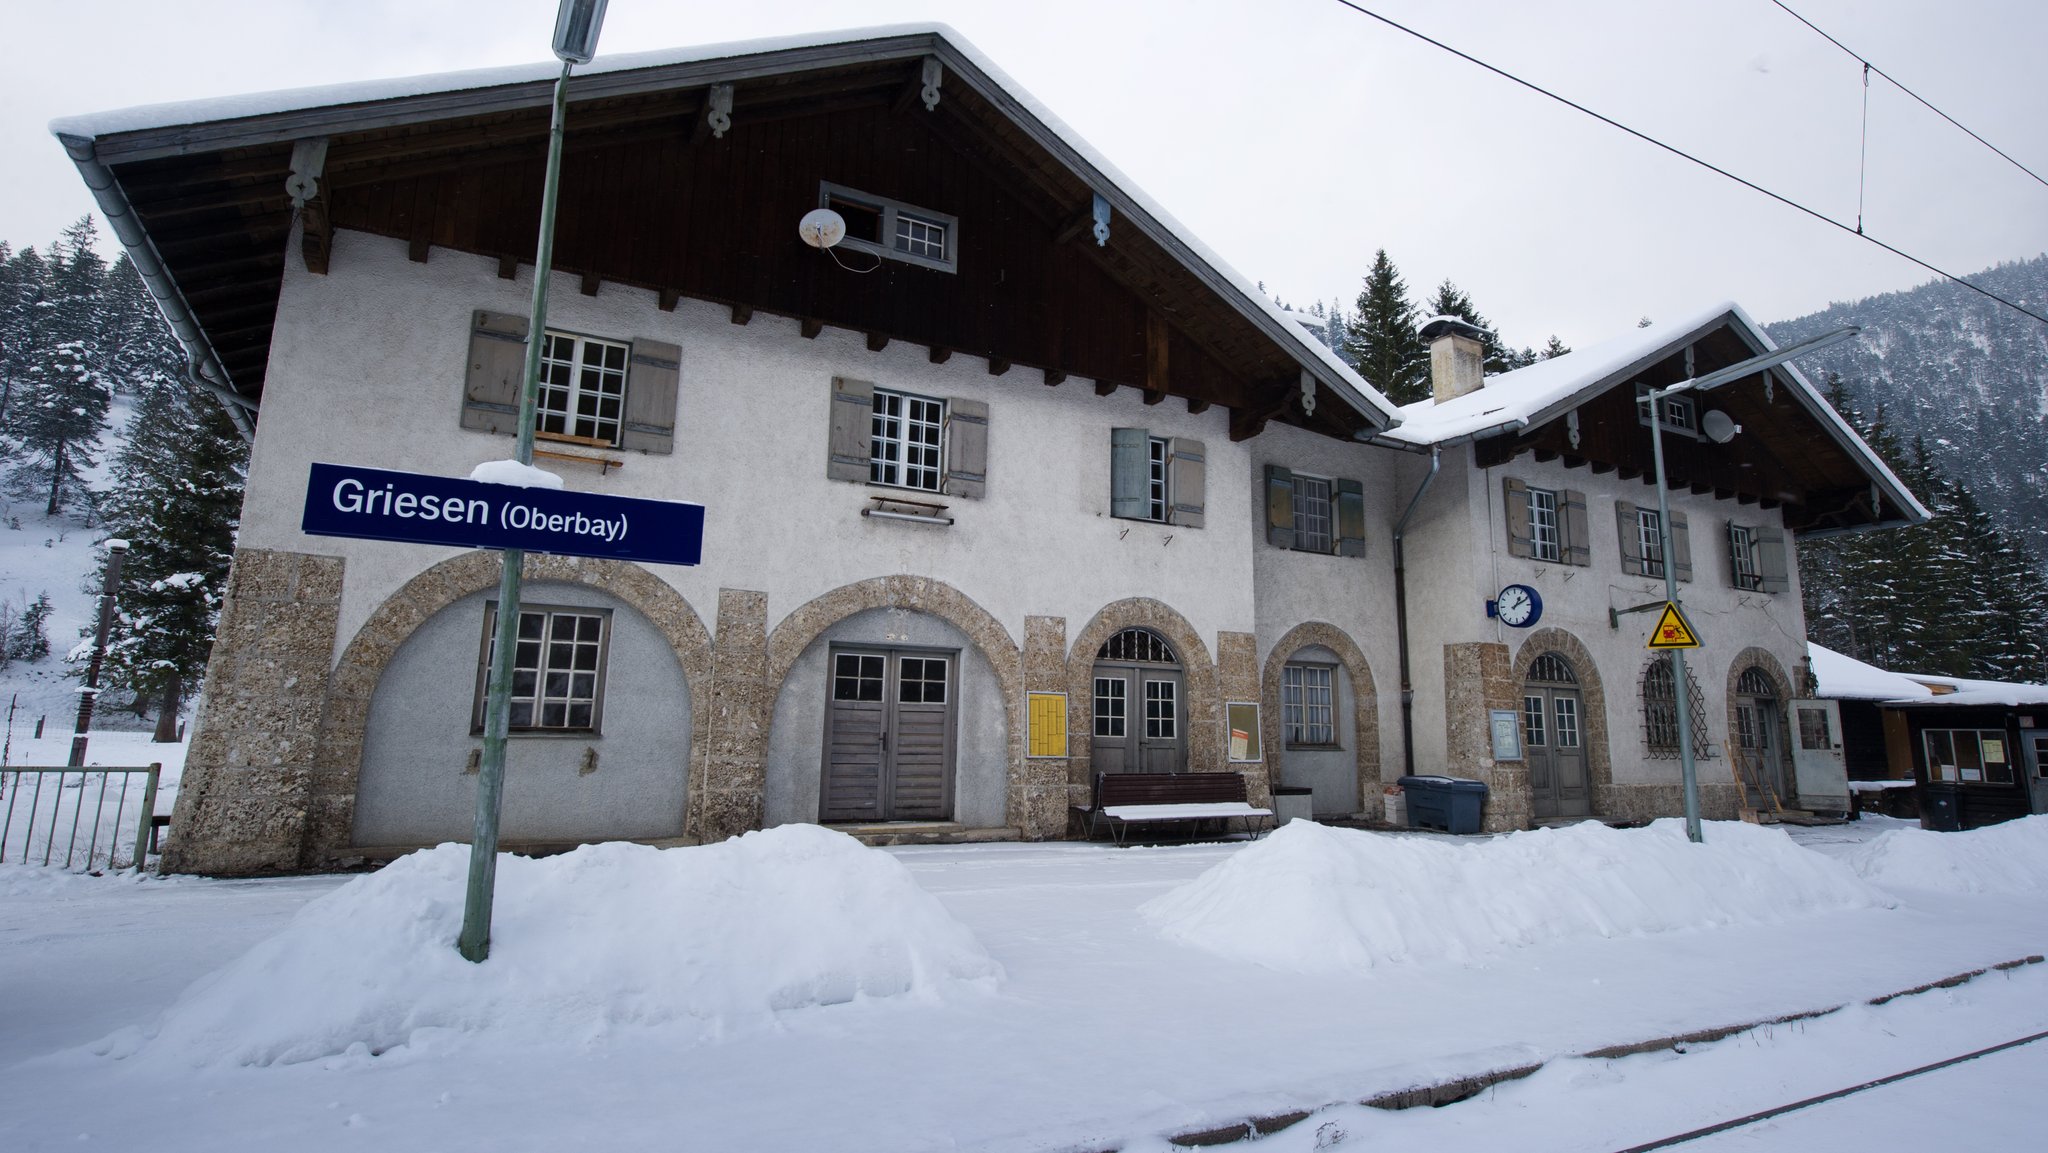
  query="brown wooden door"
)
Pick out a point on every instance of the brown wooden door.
point(1553, 740)
point(889, 737)
point(1140, 719)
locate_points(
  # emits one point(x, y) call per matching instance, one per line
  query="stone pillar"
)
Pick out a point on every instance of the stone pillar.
point(725, 800)
point(242, 806)
point(1237, 679)
point(1039, 807)
point(1479, 678)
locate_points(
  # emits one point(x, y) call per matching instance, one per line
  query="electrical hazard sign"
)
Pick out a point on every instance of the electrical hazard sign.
point(1673, 631)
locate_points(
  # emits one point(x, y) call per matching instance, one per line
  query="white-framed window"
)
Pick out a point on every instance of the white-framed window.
point(582, 388)
point(1746, 570)
point(1110, 706)
point(558, 668)
point(1970, 756)
point(1308, 710)
point(1533, 720)
point(1651, 541)
point(1162, 710)
point(1157, 479)
point(1545, 543)
point(1680, 414)
point(1312, 515)
point(892, 229)
point(904, 438)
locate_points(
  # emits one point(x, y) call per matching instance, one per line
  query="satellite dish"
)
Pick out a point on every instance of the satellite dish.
point(821, 228)
point(1719, 426)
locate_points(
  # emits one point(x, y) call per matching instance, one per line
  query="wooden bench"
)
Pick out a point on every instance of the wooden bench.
point(1122, 800)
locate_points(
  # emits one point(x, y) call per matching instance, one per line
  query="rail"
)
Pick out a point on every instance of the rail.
point(44, 806)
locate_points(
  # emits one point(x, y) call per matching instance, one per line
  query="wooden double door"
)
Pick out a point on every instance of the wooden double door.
point(1554, 740)
point(1140, 718)
point(889, 735)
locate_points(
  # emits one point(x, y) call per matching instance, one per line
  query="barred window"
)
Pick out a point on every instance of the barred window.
point(1660, 710)
point(1308, 704)
point(557, 668)
point(1137, 645)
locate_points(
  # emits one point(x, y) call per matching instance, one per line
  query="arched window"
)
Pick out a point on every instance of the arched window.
point(1754, 682)
point(1552, 669)
point(1141, 646)
point(1660, 710)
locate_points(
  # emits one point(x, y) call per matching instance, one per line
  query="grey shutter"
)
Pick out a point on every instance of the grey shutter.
point(1350, 518)
point(1186, 481)
point(650, 424)
point(1279, 507)
point(1130, 468)
point(1772, 560)
point(966, 448)
point(497, 365)
point(1515, 494)
point(1631, 544)
point(853, 418)
point(1681, 545)
point(1577, 541)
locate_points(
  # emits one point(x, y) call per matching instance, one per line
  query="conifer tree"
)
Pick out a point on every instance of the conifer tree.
point(1382, 342)
point(58, 419)
point(1450, 300)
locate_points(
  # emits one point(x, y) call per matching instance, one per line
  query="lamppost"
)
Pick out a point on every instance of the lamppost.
point(1657, 396)
point(577, 23)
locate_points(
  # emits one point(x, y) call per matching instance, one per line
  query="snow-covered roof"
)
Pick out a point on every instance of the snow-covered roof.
point(1970, 692)
point(817, 49)
point(1844, 678)
point(1543, 391)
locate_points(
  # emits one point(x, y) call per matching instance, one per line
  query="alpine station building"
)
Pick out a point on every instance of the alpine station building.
point(1017, 483)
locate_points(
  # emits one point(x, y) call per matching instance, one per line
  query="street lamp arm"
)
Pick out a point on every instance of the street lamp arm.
point(1755, 364)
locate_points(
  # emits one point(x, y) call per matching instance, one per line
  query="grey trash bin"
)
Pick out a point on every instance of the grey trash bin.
point(1293, 803)
point(1452, 804)
point(1941, 807)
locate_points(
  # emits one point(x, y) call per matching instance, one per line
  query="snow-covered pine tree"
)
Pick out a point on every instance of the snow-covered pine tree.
point(24, 285)
point(176, 499)
point(58, 418)
point(27, 637)
point(1382, 342)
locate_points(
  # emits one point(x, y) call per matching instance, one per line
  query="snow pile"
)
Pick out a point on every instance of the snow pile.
point(2007, 858)
point(702, 941)
point(1312, 899)
point(515, 474)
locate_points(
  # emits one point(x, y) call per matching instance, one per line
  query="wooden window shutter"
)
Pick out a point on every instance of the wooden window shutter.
point(650, 424)
point(1186, 481)
point(853, 417)
point(1130, 469)
point(1577, 535)
point(1350, 518)
point(1516, 496)
point(1631, 544)
point(1681, 545)
point(1772, 560)
point(966, 448)
point(1279, 507)
point(497, 367)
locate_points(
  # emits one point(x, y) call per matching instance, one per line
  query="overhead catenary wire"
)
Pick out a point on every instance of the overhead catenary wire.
point(1687, 156)
point(1868, 68)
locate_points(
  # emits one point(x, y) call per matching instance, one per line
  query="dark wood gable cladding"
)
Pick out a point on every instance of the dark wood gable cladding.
point(1783, 457)
point(651, 198)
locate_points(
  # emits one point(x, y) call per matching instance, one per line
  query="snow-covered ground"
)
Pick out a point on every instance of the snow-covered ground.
point(794, 991)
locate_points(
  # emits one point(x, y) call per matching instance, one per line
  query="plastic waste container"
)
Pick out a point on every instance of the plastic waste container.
point(1941, 807)
point(1448, 803)
point(1293, 803)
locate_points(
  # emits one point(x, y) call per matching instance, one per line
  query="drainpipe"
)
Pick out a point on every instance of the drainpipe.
point(204, 370)
point(1436, 460)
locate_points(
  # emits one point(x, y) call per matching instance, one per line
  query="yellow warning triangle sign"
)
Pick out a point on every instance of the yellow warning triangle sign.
point(1673, 631)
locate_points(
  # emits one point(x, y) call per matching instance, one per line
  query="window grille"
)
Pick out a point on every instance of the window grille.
point(903, 447)
point(1660, 711)
point(1754, 682)
point(1308, 704)
point(1311, 513)
point(1551, 668)
point(582, 387)
point(1137, 645)
point(1544, 542)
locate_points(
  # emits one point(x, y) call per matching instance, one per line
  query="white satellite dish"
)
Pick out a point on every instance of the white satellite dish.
point(1719, 426)
point(821, 228)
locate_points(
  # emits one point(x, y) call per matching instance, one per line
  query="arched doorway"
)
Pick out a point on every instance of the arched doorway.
point(1758, 712)
point(1140, 694)
point(1554, 740)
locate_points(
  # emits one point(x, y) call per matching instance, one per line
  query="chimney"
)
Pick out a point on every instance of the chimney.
point(1457, 356)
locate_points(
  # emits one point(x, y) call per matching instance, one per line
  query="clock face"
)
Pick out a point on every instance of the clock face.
point(1518, 606)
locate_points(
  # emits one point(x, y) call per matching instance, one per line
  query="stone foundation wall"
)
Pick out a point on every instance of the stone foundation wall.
point(1478, 678)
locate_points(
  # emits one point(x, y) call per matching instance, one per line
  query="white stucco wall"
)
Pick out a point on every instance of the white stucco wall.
point(367, 368)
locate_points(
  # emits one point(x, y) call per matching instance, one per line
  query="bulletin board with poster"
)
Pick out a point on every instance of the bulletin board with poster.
point(1246, 743)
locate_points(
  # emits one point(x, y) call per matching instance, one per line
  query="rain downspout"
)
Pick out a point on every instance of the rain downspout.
point(1436, 459)
point(204, 370)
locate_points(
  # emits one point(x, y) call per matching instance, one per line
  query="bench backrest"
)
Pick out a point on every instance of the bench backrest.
point(1167, 788)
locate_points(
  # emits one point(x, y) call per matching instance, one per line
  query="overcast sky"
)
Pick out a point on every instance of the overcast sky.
point(1296, 136)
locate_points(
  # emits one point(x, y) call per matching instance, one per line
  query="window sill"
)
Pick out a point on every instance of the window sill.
point(545, 734)
point(904, 508)
point(1295, 748)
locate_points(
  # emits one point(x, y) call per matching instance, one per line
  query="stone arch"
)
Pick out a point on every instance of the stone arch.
point(802, 627)
point(1764, 661)
point(1205, 705)
point(369, 652)
point(1365, 709)
point(1592, 696)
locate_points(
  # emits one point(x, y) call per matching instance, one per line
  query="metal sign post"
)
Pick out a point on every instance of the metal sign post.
point(576, 29)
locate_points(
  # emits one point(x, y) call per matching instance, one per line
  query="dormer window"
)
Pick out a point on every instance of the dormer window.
point(894, 230)
point(1678, 414)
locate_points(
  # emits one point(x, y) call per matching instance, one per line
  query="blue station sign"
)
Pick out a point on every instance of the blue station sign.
point(379, 504)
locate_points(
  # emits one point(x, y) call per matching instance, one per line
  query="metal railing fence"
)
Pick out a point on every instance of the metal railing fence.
point(43, 811)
